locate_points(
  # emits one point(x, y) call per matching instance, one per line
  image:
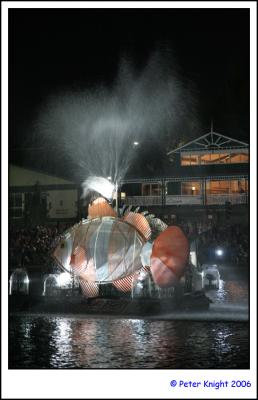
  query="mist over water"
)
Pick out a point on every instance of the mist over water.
point(96, 128)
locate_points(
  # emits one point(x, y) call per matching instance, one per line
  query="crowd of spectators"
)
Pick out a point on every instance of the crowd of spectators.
point(218, 242)
point(33, 246)
point(193, 229)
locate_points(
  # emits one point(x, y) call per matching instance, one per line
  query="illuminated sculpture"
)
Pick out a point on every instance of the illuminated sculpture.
point(19, 282)
point(105, 248)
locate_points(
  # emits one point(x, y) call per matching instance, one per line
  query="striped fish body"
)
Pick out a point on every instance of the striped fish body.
point(101, 250)
point(108, 249)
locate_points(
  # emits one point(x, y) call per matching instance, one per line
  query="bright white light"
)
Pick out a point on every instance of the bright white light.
point(193, 188)
point(64, 279)
point(98, 184)
point(135, 143)
point(146, 253)
point(193, 258)
point(109, 178)
point(219, 252)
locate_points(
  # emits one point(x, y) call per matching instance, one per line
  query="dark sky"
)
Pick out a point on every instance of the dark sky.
point(53, 50)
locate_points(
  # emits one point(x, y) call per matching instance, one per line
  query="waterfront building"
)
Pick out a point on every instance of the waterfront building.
point(207, 174)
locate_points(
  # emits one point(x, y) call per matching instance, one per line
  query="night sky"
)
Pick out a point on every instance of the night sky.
point(70, 49)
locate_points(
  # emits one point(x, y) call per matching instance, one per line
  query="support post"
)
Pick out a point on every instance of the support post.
point(204, 192)
point(163, 193)
point(117, 199)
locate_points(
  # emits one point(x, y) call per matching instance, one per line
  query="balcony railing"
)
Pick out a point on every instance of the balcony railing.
point(183, 199)
point(143, 200)
point(237, 198)
point(211, 199)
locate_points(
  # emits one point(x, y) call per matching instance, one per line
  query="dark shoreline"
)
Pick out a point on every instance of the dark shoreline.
point(194, 317)
point(188, 307)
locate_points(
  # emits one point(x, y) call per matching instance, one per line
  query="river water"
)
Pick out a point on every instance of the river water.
point(37, 342)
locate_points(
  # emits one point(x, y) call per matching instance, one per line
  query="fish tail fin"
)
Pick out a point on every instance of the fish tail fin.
point(170, 254)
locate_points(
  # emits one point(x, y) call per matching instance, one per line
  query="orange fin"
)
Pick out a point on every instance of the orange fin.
point(78, 260)
point(163, 276)
point(89, 289)
point(170, 251)
point(140, 223)
point(89, 273)
point(100, 208)
point(124, 284)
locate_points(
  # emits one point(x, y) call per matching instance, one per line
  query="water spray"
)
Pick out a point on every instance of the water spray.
point(98, 184)
point(109, 123)
point(116, 198)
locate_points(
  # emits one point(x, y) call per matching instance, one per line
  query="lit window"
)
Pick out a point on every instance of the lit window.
point(238, 186)
point(185, 160)
point(239, 158)
point(224, 158)
point(245, 158)
point(215, 158)
point(191, 188)
point(189, 159)
point(235, 158)
point(218, 187)
point(205, 158)
point(194, 159)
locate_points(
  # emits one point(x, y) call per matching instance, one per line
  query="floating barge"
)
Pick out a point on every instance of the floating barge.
point(195, 306)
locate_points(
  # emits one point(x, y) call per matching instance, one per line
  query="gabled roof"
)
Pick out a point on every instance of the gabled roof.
point(210, 141)
point(19, 176)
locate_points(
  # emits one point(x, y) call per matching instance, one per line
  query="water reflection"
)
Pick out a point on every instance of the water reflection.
point(61, 342)
point(57, 342)
point(230, 292)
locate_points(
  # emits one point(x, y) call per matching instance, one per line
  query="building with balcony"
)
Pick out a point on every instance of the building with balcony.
point(208, 173)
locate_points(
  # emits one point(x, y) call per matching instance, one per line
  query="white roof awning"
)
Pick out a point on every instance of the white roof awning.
point(211, 141)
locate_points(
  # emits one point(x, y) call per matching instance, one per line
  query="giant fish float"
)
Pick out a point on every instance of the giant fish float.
point(105, 248)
